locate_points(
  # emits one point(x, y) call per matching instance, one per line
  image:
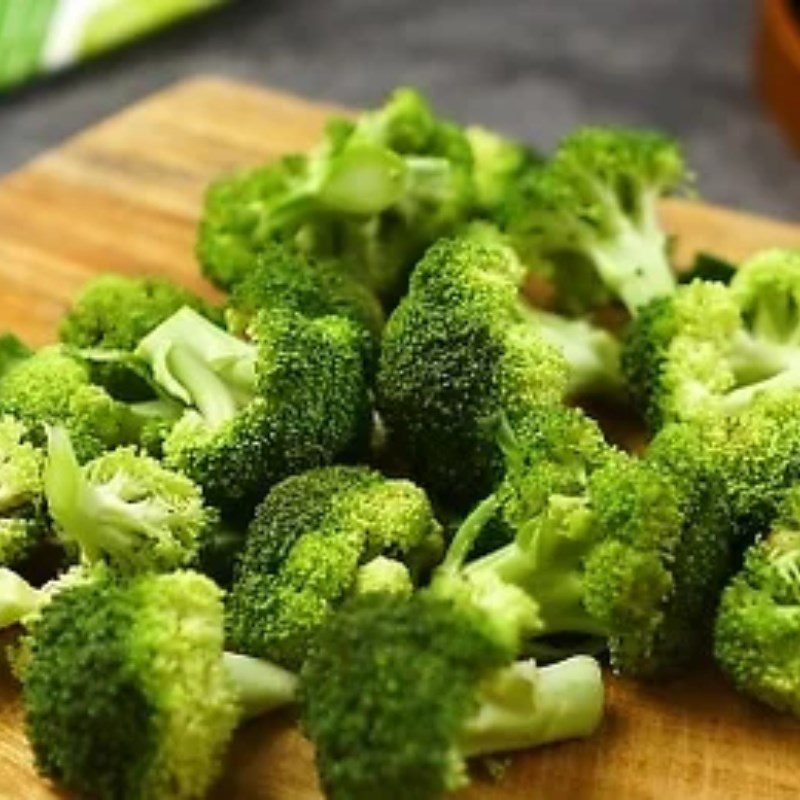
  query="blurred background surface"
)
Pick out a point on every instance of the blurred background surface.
point(530, 68)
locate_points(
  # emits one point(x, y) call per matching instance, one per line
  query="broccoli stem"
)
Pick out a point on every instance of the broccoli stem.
point(95, 518)
point(632, 260)
point(593, 354)
point(524, 706)
point(363, 179)
point(468, 533)
point(208, 393)
point(260, 686)
point(18, 598)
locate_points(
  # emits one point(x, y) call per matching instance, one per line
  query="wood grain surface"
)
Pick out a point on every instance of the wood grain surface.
point(125, 196)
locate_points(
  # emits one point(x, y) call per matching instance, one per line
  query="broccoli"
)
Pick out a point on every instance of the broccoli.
point(498, 165)
point(127, 692)
point(398, 694)
point(22, 519)
point(592, 555)
point(708, 267)
point(52, 388)
point(588, 218)
point(306, 549)
point(285, 279)
point(711, 347)
point(758, 623)
point(124, 508)
point(18, 599)
point(375, 193)
point(294, 397)
point(462, 349)
point(113, 313)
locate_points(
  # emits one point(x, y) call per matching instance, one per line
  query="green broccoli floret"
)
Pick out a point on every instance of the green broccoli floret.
point(124, 508)
point(307, 545)
point(375, 193)
point(463, 349)
point(12, 350)
point(710, 347)
point(293, 397)
point(127, 692)
point(384, 575)
point(592, 555)
point(52, 388)
point(498, 165)
point(399, 694)
point(285, 279)
point(758, 623)
point(113, 313)
point(588, 218)
point(22, 519)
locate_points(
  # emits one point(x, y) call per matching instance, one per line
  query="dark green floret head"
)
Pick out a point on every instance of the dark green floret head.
point(457, 354)
point(125, 691)
point(306, 549)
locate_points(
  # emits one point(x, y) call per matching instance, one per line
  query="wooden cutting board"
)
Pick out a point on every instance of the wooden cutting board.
point(125, 196)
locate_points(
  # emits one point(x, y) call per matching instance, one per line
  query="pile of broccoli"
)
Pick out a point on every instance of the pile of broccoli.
point(372, 483)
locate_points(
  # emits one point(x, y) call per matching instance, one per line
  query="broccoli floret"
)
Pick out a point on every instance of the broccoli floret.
point(307, 546)
point(710, 347)
point(127, 692)
point(398, 694)
point(384, 575)
point(463, 349)
point(375, 193)
point(294, 397)
point(113, 313)
point(498, 165)
point(758, 623)
point(23, 524)
point(588, 218)
point(592, 556)
point(698, 458)
point(124, 508)
point(285, 279)
point(52, 388)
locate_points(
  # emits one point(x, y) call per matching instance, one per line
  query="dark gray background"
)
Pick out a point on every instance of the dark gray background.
point(532, 68)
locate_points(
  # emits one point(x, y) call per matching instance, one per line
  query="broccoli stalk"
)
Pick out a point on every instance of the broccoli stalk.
point(259, 685)
point(123, 507)
point(18, 598)
point(525, 706)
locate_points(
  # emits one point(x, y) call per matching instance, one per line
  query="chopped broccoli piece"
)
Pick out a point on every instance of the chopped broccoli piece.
point(376, 737)
point(113, 313)
point(588, 218)
point(294, 397)
point(127, 692)
point(307, 548)
point(375, 193)
point(758, 623)
point(124, 508)
point(463, 349)
point(52, 388)
point(592, 555)
point(384, 575)
point(714, 348)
